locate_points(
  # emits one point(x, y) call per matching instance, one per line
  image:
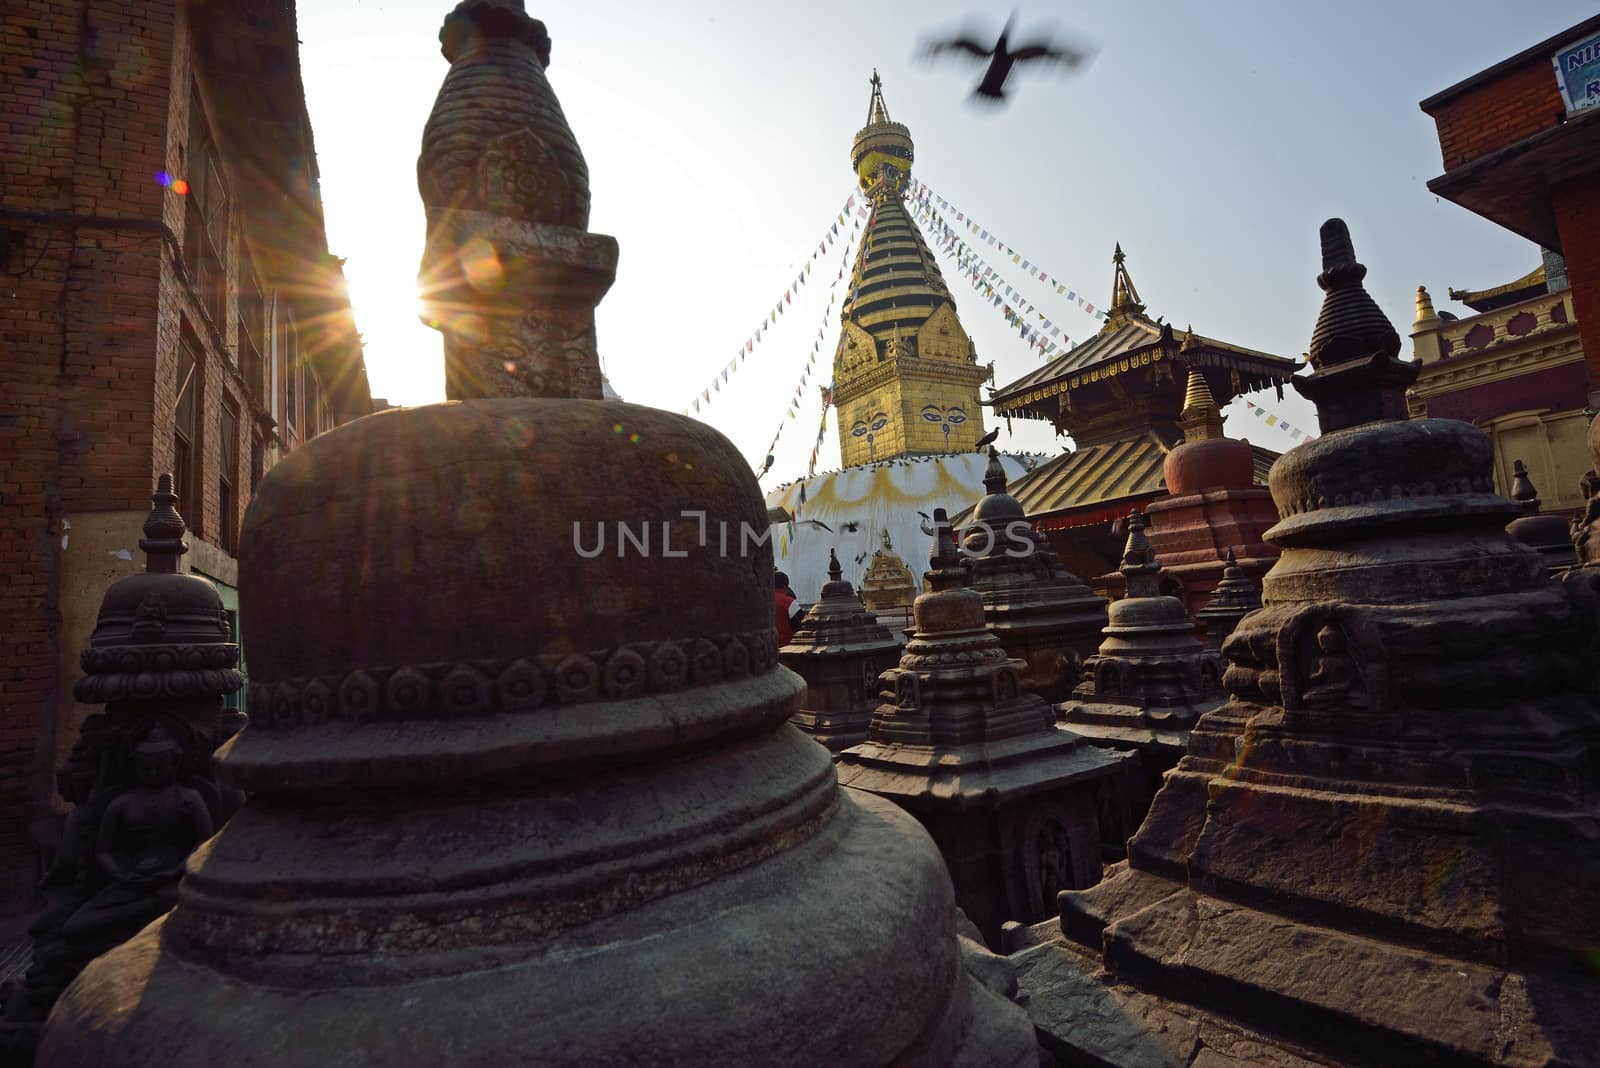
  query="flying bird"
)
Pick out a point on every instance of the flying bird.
point(817, 523)
point(1002, 58)
point(926, 524)
point(987, 440)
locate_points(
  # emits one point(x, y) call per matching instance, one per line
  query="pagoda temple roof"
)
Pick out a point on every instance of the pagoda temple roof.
point(1134, 335)
point(1486, 300)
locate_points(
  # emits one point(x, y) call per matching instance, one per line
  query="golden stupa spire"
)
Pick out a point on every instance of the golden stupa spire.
point(1426, 316)
point(877, 110)
point(898, 309)
point(1201, 418)
point(1124, 297)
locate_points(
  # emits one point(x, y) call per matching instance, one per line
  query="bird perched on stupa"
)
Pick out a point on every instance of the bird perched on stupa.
point(1003, 58)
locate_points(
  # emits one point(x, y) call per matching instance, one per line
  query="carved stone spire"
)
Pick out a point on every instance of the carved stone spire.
point(163, 531)
point(510, 275)
point(1236, 596)
point(1354, 348)
point(1140, 570)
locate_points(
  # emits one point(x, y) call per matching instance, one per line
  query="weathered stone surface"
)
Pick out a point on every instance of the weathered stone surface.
point(1151, 679)
point(839, 650)
point(140, 775)
point(1235, 596)
point(1395, 858)
point(1043, 614)
point(1011, 800)
point(525, 790)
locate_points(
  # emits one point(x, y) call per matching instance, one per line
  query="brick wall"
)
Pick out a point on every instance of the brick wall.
point(1500, 111)
point(83, 88)
point(1577, 207)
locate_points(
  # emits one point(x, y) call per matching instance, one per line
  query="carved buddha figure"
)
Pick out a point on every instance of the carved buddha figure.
point(145, 835)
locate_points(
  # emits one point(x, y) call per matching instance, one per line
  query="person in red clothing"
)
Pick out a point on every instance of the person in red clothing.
point(785, 614)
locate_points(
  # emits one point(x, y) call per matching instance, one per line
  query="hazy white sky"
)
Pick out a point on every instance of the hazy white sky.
point(1210, 139)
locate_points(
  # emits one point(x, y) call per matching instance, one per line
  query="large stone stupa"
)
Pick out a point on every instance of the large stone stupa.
point(512, 803)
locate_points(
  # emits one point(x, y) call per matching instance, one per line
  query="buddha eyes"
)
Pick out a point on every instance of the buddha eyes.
point(932, 415)
point(956, 416)
point(859, 429)
point(880, 421)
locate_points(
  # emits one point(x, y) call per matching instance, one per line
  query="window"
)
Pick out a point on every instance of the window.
point(252, 328)
point(291, 375)
point(258, 461)
point(313, 406)
point(183, 430)
point(228, 477)
point(205, 216)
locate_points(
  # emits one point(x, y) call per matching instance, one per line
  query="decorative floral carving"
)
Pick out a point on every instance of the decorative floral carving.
point(520, 687)
point(577, 679)
point(625, 674)
point(523, 685)
point(465, 692)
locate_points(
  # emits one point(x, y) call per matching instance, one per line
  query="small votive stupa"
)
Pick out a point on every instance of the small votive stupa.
point(888, 584)
point(513, 803)
point(1151, 678)
point(1397, 863)
point(840, 650)
point(1235, 597)
point(1012, 801)
point(1043, 614)
point(140, 776)
point(1549, 534)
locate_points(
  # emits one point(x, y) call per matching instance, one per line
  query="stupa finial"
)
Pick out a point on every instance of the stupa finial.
point(1139, 566)
point(1202, 419)
point(877, 110)
point(510, 274)
point(163, 531)
point(1357, 377)
point(994, 476)
point(835, 572)
point(1426, 316)
point(1522, 487)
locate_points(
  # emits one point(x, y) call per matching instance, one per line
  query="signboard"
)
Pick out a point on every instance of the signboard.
point(1578, 73)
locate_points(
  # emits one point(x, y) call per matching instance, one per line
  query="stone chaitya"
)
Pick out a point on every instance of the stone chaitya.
point(160, 659)
point(1043, 614)
point(840, 650)
point(1152, 677)
point(1385, 848)
point(1012, 801)
point(1236, 596)
point(513, 803)
point(1547, 533)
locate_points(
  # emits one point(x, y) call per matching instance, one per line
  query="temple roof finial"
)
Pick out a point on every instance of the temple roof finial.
point(1124, 297)
point(835, 572)
point(1202, 419)
point(1426, 316)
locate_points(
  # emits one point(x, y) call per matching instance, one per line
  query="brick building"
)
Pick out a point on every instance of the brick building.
point(1521, 147)
point(169, 304)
